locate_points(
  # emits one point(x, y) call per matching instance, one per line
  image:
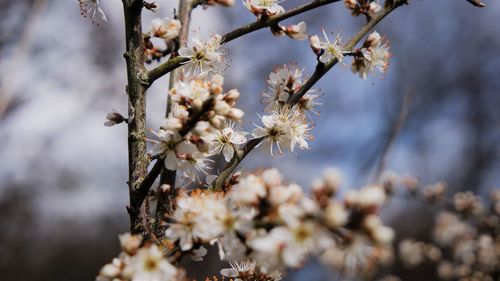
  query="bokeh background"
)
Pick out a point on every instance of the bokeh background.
point(63, 174)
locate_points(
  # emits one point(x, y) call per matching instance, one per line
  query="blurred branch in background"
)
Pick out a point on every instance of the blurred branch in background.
point(395, 129)
point(8, 82)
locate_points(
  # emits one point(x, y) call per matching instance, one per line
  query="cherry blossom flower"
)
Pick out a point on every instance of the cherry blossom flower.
point(332, 50)
point(168, 146)
point(374, 56)
point(164, 28)
point(227, 140)
point(274, 131)
point(266, 8)
point(150, 265)
point(203, 57)
point(92, 9)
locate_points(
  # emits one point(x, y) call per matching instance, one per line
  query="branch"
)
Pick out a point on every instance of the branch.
point(136, 90)
point(393, 133)
point(476, 3)
point(263, 23)
point(175, 62)
point(320, 70)
point(168, 177)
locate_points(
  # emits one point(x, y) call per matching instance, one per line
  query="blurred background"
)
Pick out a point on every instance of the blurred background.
point(63, 174)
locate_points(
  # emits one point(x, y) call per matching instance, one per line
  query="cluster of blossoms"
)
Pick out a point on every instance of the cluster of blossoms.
point(268, 8)
point(263, 225)
point(139, 263)
point(92, 9)
point(370, 8)
point(165, 29)
point(264, 8)
point(465, 240)
point(198, 126)
point(373, 55)
point(286, 125)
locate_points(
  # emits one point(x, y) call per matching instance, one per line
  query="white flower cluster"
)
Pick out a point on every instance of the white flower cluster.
point(263, 225)
point(370, 8)
point(465, 238)
point(164, 28)
point(92, 9)
point(285, 125)
point(137, 263)
point(264, 8)
point(198, 126)
point(270, 8)
point(374, 54)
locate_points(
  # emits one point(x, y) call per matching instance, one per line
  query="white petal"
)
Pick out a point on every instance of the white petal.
point(171, 161)
point(228, 152)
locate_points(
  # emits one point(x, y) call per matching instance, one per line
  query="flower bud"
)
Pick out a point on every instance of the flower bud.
point(351, 4)
point(336, 215)
point(297, 31)
point(172, 124)
point(130, 243)
point(222, 108)
point(232, 95)
point(114, 118)
point(374, 9)
point(315, 44)
point(373, 40)
point(236, 113)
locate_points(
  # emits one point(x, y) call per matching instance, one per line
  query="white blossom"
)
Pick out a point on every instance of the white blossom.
point(150, 265)
point(264, 7)
point(203, 57)
point(92, 9)
point(164, 28)
point(332, 50)
point(169, 146)
point(227, 141)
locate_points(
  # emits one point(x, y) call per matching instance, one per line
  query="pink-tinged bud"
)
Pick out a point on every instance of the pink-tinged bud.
point(297, 31)
point(373, 40)
point(351, 4)
point(315, 44)
point(165, 188)
point(232, 95)
point(374, 9)
point(277, 30)
point(236, 113)
point(221, 107)
point(130, 243)
point(114, 118)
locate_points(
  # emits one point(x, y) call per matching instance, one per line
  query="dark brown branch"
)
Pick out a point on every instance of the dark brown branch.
point(175, 62)
point(321, 69)
point(136, 90)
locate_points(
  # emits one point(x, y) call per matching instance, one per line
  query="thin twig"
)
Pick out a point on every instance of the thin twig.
point(175, 62)
point(321, 69)
point(393, 133)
